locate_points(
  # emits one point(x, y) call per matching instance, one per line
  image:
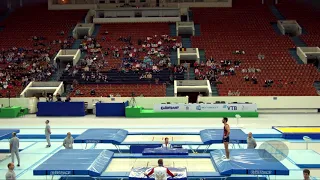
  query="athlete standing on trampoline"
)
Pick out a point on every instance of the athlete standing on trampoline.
point(226, 138)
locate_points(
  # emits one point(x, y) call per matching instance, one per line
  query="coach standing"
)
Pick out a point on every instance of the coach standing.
point(10, 175)
point(14, 148)
point(68, 141)
point(47, 132)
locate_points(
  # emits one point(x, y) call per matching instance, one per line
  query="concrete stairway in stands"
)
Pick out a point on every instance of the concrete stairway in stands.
point(173, 57)
point(192, 76)
point(190, 14)
point(96, 30)
point(293, 53)
point(214, 90)
point(298, 42)
point(172, 29)
point(197, 29)
point(277, 13)
point(170, 90)
point(202, 54)
point(316, 84)
point(275, 28)
point(76, 44)
point(186, 43)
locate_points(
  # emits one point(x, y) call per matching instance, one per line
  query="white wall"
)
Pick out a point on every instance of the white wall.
point(301, 55)
point(268, 102)
point(263, 102)
point(132, 20)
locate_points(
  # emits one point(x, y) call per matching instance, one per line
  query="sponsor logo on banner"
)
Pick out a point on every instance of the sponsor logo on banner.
point(198, 108)
point(60, 173)
point(231, 108)
point(169, 107)
point(260, 172)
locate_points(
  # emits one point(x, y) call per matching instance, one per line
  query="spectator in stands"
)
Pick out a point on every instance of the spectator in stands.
point(232, 72)
point(58, 97)
point(78, 92)
point(254, 79)
point(260, 56)
point(49, 99)
point(68, 99)
point(306, 174)
point(92, 92)
point(230, 93)
point(118, 95)
point(62, 33)
point(246, 78)
point(268, 83)
point(237, 93)
point(237, 63)
point(149, 76)
point(244, 71)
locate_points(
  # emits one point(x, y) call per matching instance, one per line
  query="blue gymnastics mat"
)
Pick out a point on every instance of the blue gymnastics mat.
point(90, 162)
point(248, 161)
point(114, 136)
point(138, 173)
point(214, 136)
point(7, 133)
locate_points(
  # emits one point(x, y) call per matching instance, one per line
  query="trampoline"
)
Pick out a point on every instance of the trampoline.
point(7, 133)
point(118, 137)
point(104, 164)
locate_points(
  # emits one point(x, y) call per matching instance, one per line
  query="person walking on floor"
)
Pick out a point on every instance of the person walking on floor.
point(10, 175)
point(47, 132)
point(68, 141)
point(14, 148)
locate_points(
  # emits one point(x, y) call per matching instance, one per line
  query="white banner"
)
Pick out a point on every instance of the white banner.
point(205, 107)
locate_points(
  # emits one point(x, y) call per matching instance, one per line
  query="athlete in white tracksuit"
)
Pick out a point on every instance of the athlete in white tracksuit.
point(160, 172)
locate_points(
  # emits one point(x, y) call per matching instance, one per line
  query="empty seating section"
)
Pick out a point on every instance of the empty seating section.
point(224, 30)
point(125, 90)
point(27, 22)
point(307, 16)
point(19, 29)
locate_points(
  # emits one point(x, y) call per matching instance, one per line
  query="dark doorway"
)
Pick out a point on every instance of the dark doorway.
point(193, 96)
point(314, 61)
point(158, 3)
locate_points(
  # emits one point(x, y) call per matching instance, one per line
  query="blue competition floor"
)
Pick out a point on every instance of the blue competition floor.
point(305, 158)
point(34, 152)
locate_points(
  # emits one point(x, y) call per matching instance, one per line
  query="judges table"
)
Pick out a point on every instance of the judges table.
point(111, 109)
point(165, 151)
point(61, 109)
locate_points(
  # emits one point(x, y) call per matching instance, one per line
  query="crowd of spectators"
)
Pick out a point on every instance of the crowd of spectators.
point(145, 56)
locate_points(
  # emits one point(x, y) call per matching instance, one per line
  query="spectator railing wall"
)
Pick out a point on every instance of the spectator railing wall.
point(192, 86)
point(83, 29)
point(106, 4)
point(185, 28)
point(36, 88)
point(273, 104)
point(190, 54)
point(137, 15)
point(268, 104)
point(308, 52)
point(289, 26)
point(68, 55)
